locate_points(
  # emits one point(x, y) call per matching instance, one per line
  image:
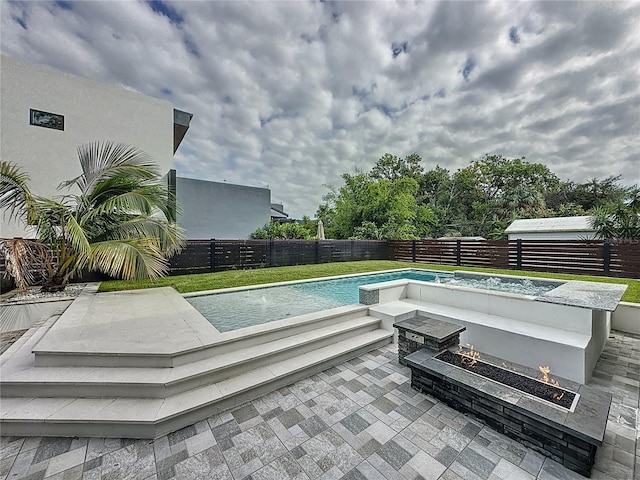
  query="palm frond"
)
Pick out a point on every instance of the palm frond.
point(168, 237)
point(49, 218)
point(132, 202)
point(133, 259)
point(101, 161)
point(120, 221)
point(15, 196)
point(25, 260)
point(77, 238)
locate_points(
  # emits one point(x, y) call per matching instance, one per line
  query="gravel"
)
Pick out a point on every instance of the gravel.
point(34, 293)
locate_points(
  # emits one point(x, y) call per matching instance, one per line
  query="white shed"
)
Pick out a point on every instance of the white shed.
point(557, 228)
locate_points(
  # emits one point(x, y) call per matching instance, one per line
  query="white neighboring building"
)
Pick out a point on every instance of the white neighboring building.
point(46, 114)
point(220, 210)
point(558, 228)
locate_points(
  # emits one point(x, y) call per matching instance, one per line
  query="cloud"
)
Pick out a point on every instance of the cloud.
point(293, 94)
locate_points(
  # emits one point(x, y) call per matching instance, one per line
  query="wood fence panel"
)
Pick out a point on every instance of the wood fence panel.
point(430, 251)
point(341, 251)
point(400, 250)
point(490, 254)
point(227, 255)
point(582, 257)
point(562, 256)
point(586, 257)
point(194, 258)
point(217, 255)
point(625, 259)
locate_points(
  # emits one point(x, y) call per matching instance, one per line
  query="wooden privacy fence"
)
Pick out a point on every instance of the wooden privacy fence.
point(202, 256)
point(614, 258)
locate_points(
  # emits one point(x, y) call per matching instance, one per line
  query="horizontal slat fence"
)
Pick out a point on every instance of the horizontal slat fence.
point(577, 257)
point(202, 256)
point(615, 258)
point(625, 259)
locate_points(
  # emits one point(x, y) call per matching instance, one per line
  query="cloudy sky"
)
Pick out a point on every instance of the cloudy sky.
point(293, 94)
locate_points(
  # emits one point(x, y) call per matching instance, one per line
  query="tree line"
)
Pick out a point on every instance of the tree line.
point(399, 199)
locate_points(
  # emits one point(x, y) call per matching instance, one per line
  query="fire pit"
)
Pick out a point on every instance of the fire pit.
point(544, 388)
point(567, 432)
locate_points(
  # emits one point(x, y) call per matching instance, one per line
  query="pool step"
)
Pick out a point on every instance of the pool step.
point(56, 354)
point(232, 359)
point(115, 416)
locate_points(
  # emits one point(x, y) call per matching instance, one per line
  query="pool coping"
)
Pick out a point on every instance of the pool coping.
point(306, 280)
point(150, 327)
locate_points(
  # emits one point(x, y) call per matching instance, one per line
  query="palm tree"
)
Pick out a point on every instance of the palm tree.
point(118, 219)
point(620, 220)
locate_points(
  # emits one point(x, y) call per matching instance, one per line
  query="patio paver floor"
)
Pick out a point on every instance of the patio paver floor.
point(358, 421)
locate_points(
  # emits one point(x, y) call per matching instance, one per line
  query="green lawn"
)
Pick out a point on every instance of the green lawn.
point(239, 278)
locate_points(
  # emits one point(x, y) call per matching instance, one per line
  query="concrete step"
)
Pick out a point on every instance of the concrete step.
point(95, 382)
point(220, 343)
point(153, 417)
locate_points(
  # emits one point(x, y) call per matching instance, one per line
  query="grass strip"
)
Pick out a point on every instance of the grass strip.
point(240, 278)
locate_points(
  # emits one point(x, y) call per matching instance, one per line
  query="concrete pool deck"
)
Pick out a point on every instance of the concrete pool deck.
point(142, 364)
point(358, 420)
point(387, 437)
point(164, 324)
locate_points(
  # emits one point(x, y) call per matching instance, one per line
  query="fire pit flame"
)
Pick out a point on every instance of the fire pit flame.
point(544, 377)
point(508, 367)
point(468, 357)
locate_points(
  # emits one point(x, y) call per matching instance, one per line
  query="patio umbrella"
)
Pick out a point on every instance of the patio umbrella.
point(320, 230)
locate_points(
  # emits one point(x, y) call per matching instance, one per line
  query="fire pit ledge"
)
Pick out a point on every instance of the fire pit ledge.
point(568, 437)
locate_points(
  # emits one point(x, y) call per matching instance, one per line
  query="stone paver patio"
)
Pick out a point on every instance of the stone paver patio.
point(358, 421)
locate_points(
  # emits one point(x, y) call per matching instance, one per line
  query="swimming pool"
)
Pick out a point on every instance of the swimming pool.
point(244, 308)
point(254, 306)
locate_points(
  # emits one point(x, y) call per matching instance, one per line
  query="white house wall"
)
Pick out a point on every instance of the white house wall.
point(552, 235)
point(221, 210)
point(92, 112)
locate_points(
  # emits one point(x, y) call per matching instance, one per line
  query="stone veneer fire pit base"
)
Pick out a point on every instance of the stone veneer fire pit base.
point(570, 438)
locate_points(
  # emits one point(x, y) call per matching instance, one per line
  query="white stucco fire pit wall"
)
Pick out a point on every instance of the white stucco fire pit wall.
point(524, 329)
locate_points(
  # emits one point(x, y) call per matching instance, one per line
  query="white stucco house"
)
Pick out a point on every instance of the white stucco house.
point(556, 228)
point(46, 114)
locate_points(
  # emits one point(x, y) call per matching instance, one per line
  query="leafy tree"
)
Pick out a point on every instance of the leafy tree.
point(390, 167)
point(500, 189)
point(481, 199)
point(371, 207)
point(326, 213)
point(282, 231)
point(119, 219)
point(311, 226)
point(598, 193)
point(367, 231)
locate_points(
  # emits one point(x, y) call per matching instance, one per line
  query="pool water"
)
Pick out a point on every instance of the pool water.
point(244, 308)
point(523, 286)
point(234, 310)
